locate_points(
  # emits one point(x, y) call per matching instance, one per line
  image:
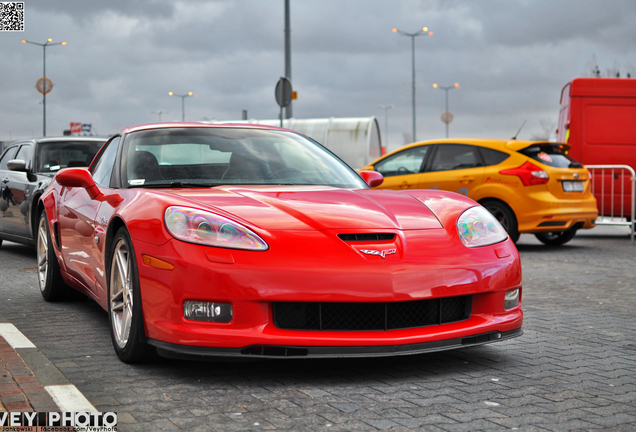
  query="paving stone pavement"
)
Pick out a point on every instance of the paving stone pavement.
point(574, 369)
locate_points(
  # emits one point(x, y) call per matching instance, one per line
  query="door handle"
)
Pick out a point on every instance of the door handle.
point(405, 185)
point(466, 179)
point(5, 180)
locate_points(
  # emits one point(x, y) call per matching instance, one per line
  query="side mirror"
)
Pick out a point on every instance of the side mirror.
point(17, 165)
point(373, 178)
point(77, 177)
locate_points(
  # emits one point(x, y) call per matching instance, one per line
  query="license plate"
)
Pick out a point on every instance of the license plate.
point(572, 186)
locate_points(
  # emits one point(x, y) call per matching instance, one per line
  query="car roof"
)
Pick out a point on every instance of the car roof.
point(149, 126)
point(494, 143)
point(64, 138)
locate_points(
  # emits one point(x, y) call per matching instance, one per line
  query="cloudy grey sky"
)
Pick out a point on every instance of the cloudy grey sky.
point(510, 57)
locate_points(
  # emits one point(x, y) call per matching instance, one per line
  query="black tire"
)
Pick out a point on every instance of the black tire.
point(556, 238)
point(504, 215)
point(52, 286)
point(124, 302)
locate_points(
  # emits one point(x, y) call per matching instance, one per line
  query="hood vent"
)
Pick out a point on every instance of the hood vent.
point(367, 237)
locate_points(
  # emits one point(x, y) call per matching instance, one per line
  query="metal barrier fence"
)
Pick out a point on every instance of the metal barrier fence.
point(615, 205)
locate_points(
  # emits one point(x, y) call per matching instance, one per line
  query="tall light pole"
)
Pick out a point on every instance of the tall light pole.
point(386, 109)
point(423, 32)
point(447, 117)
point(44, 84)
point(288, 108)
point(183, 96)
point(159, 113)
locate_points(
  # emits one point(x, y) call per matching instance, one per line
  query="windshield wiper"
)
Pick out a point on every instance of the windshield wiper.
point(174, 184)
point(179, 184)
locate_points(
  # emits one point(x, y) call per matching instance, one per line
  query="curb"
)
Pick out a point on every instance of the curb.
point(29, 382)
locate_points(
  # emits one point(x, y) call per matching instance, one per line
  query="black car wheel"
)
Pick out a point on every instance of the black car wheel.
point(504, 215)
point(556, 238)
point(50, 280)
point(124, 301)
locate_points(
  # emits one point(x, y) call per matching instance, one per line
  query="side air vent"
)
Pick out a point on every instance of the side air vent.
point(367, 237)
point(56, 234)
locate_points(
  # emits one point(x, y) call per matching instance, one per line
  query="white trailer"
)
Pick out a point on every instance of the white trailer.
point(355, 140)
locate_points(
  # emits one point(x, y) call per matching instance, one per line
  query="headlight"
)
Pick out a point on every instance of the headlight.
point(197, 226)
point(478, 227)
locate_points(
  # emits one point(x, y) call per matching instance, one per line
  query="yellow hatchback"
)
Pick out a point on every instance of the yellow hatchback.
point(530, 186)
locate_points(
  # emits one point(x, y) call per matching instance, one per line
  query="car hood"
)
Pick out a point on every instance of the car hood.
point(314, 208)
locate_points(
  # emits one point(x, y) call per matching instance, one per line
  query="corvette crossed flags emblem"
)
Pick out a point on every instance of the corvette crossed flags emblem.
point(382, 253)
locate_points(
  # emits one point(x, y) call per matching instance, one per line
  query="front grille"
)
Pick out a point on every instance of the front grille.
point(367, 237)
point(370, 316)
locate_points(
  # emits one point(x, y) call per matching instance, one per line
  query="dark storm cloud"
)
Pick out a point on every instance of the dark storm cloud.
point(536, 22)
point(80, 10)
point(511, 59)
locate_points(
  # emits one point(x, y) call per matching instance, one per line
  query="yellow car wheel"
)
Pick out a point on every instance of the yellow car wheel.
point(556, 238)
point(504, 215)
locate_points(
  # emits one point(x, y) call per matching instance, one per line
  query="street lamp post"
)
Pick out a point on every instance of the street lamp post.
point(183, 96)
point(447, 117)
point(45, 81)
point(423, 32)
point(159, 113)
point(386, 109)
point(288, 74)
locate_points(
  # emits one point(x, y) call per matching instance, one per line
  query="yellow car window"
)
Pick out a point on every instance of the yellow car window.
point(455, 156)
point(406, 162)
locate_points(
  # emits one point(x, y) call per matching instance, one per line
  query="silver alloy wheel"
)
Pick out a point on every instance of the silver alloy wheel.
point(42, 253)
point(121, 295)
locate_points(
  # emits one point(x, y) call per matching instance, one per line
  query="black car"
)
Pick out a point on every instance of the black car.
point(26, 168)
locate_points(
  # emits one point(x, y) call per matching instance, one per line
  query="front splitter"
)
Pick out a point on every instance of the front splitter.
point(175, 351)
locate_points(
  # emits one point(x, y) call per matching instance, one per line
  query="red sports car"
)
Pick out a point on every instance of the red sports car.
point(251, 241)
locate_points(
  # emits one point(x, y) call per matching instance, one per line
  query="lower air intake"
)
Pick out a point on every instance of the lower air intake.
point(370, 316)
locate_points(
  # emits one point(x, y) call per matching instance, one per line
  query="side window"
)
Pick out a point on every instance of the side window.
point(406, 162)
point(455, 156)
point(103, 169)
point(25, 153)
point(8, 155)
point(492, 157)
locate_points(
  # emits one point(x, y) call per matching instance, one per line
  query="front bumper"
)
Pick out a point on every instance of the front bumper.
point(253, 281)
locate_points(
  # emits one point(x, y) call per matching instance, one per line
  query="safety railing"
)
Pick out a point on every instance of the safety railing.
point(614, 187)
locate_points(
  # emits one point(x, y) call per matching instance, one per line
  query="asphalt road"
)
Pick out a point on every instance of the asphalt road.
point(573, 369)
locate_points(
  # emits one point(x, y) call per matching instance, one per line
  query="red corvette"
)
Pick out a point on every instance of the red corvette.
point(249, 241)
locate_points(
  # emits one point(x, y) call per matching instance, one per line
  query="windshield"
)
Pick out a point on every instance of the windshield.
point(54, 156)
point(551, 155)
point(191, 157)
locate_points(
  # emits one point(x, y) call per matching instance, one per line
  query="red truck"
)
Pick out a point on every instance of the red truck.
point(598, 120)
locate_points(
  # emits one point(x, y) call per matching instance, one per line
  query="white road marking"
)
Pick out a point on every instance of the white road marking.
point(14, 337)
point(69, 398)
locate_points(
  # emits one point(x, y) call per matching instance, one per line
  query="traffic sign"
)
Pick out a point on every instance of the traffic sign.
point(447, 117)
point(283, 92)
point(44, 85)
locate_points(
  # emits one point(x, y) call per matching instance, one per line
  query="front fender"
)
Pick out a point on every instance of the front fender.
point(143, 217)
point(48, 202)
